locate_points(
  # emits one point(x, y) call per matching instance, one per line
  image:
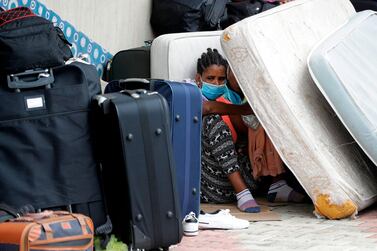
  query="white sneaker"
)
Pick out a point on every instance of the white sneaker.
point(190, 225)
point(221, 219)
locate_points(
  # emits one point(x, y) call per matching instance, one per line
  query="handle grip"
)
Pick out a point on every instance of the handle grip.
point(31, 79)
point(135, 84)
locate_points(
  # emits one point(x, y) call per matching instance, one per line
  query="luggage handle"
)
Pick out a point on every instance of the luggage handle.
point(31, 79)
point(103, 102)
point(127, 80)
point(136, 93)
point(140, 83)
point(42, 215)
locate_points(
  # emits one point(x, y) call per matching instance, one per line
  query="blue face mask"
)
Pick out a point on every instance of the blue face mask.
point(211, 91)
point(232, 96)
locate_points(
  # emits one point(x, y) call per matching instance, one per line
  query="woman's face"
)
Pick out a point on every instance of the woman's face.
point(214, 74)
point(232, 82)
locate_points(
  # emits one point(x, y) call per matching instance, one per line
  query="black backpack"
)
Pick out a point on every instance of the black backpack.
point(237, 11)
point(172, 16)
point(29, 42)
point(361, 5)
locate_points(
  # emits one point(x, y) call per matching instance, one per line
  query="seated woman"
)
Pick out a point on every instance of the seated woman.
point(226, 171)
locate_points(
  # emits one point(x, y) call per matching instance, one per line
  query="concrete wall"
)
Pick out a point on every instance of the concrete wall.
point(114, 24)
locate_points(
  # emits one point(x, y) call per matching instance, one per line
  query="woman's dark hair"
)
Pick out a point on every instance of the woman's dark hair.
point(211, 57)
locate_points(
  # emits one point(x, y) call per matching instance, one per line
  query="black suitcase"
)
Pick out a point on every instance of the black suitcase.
point(185, 104)
point(131, 63)
point(46, 141)
point(138, 168)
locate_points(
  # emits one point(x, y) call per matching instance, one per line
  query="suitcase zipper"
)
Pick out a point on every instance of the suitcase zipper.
point(188, 127)
point(62, 239)
point(43, 116)
point(150, 162)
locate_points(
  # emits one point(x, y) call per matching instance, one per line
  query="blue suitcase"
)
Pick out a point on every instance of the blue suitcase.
point(185, 103)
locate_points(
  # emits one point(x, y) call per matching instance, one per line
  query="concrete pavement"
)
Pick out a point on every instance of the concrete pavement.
point(299, 229)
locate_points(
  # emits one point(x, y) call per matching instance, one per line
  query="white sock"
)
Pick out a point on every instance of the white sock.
point(246, 202)
point(281, 192)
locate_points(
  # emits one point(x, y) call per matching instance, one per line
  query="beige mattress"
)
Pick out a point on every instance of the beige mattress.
point(268, 53)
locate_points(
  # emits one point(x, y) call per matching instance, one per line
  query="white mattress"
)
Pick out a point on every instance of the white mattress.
point(174, 56)
point(268, 53)
point(344, 68)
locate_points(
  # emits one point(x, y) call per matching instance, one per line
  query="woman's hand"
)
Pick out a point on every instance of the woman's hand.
point(284, 1)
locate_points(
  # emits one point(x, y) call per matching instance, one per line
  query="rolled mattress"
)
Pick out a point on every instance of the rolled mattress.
point(268, 54)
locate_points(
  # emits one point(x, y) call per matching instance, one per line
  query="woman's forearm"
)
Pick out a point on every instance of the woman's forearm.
point(214, 107)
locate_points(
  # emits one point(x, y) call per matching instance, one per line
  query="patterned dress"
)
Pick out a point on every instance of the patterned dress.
point(219, 159)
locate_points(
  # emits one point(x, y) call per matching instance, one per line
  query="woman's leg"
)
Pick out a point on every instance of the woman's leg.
point(267, 162)
point(245, 200)
point(219, 161)
point(238, 124)
point(279, 191)
point(237, 181)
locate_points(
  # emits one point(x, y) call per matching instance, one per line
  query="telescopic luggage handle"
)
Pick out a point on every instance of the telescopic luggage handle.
point(31, 79)
point(135, 84)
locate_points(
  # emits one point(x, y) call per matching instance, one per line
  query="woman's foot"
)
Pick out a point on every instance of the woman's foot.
point(281, 192)
point(246, 202)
